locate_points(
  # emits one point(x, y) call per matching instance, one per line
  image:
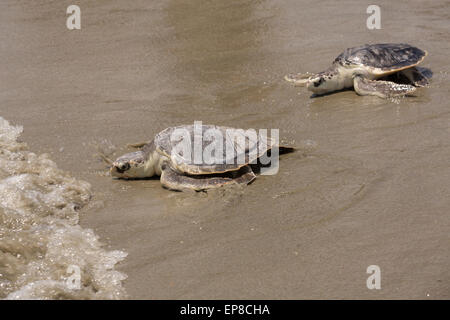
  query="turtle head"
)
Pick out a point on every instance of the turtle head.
point(131, 166)
point(322, 83)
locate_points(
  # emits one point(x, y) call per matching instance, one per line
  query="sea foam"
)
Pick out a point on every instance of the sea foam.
point(41, 242)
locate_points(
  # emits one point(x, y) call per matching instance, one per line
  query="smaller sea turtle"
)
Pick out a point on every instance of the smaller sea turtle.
point(367, 69)
point(226, 156)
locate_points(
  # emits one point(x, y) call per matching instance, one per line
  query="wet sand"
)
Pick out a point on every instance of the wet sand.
point(373, 189)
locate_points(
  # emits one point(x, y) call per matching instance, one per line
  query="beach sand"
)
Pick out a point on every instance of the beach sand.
point(369, 185)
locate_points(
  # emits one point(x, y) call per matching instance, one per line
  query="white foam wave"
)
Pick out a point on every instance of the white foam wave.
point(39, 233)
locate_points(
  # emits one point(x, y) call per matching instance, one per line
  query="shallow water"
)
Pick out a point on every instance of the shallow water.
point(369, 185)
point(41, 241)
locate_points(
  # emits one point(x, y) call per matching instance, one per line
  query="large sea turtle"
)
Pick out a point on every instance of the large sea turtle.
point(200, 157)
point(367, 69)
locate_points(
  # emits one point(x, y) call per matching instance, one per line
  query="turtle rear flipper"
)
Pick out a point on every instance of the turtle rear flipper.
point(379, 88)
point(174, 180)
point(415, 77)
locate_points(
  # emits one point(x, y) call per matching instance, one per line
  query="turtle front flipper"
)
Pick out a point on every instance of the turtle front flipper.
point(300, 79)
point(174, 180)
point(379, 88)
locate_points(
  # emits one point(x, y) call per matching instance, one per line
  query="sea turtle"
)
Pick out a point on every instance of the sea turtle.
point(367, 69)
point(200, 157)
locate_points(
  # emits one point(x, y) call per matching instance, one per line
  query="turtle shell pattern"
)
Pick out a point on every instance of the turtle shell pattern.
point(385, 57)
point(173, 143)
